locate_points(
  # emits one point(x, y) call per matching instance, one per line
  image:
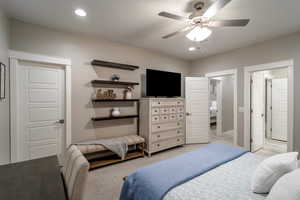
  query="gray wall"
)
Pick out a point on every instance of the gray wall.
point(227, 103)
point(81, 50)
point(4, 104)
point(287, 47)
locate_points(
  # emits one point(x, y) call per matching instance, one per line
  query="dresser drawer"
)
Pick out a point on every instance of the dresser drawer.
point(165, 144)
point(166, 134)
point(173, 109)
point(166, 126)
point(179, 102)
point(163, 111)
point(166, 102)
point(158, 103)
point(172, 117)
point(180, 109)
point(155, 111)
point(164, 118)
point(155, 119)
point(180, 116)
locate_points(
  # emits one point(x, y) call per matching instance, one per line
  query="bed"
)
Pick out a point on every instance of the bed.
point(230, 181)
point(213, 172)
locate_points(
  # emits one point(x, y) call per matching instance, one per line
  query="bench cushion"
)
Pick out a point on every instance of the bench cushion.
point(92, 148)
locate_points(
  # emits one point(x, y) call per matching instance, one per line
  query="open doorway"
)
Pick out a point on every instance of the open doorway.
point(269, 110)
point(222, 109)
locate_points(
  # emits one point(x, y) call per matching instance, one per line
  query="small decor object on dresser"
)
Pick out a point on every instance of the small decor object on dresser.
point(115, 77)
point(115, 112)
point(128, 93)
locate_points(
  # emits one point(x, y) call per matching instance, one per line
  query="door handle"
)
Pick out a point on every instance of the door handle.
point(61, 121)
point(188, 114)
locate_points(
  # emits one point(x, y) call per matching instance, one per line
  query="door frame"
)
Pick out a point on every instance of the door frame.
point(14, 58)
point(289, 64)
point(219, 97)
point(234, 73)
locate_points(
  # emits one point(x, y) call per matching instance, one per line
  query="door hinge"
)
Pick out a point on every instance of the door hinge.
point(271, 129)
point(251, 140)
point(271, 107)
point(251, 110)
point(251, 81)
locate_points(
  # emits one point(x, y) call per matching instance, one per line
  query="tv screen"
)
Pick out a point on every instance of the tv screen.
point(163, 84)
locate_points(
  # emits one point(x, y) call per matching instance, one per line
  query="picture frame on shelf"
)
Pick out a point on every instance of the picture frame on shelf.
point(2, 80)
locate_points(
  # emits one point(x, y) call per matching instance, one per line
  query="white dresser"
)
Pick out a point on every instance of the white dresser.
point(162, 123)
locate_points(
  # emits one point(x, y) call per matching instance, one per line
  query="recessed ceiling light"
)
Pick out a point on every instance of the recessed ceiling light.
point(80, 12)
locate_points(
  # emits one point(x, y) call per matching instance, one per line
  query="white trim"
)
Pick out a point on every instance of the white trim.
point(220, 111)
point(247, 75)
point(19, 55)
point(233, 72)
point(15, 57)
point(229, 132)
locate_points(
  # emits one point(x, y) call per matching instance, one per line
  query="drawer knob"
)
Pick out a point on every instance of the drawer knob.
point(178, 131)
point(178, 140)
point(158, 126)
point(158, 136)
point(158, 145)
point(158, 102)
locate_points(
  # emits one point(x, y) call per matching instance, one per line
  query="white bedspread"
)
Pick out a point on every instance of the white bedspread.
point(230, 181)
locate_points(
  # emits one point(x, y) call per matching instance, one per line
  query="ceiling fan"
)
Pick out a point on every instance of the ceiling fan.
point(200, 20)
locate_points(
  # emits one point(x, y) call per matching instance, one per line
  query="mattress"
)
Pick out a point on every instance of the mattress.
point(230, 181)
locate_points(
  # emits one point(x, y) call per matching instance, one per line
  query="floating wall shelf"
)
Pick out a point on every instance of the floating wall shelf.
point(101, 63)
point(113, 82)
point(112, 118)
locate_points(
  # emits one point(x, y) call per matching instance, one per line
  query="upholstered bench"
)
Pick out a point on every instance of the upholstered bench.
point(99, 156)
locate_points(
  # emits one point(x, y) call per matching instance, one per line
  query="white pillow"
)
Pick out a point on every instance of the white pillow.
point(287, 187)
point(271, 169)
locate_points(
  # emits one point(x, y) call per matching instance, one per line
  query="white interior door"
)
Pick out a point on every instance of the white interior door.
point(41, 110)
point(269, 109)
point(257, 111)
point(279, 109)
point(219, 103)
point(197, 109)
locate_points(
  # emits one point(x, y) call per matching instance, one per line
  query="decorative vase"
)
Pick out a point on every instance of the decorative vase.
point(128, 95)
point(115, 112)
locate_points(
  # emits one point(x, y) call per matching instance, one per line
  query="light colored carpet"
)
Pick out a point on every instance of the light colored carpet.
point(106, 183)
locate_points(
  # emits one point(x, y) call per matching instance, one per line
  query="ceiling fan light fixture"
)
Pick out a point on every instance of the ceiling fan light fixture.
point(199, 34)
point(80, 12)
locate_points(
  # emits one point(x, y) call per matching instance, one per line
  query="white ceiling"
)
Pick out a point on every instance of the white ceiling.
point(135, 22)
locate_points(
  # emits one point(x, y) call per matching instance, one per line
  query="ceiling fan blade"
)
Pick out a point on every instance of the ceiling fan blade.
point(234, 22)
point(172, 16)
point(179, 31)
point(214, 8)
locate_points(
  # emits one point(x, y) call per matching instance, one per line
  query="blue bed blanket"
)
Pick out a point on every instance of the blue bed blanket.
point(154, 181)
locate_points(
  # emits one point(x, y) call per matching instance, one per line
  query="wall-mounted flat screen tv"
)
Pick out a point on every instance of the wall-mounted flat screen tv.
point(162, 83)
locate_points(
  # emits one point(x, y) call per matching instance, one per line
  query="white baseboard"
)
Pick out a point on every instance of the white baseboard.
point(230, 132)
